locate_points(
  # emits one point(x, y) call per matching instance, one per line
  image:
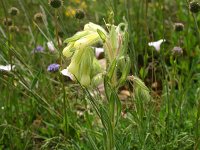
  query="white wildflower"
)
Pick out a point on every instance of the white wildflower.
point(51, 46)
point(98, 51)
point(66, 72)
point(6, 67)
point(157, 44)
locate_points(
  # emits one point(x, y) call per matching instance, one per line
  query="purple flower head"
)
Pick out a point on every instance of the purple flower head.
point(38, 49)
point(177, 50)
point(53, 67)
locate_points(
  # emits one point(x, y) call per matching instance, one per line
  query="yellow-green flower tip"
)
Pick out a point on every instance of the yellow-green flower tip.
point(93, 27)
point(87, 40)
point(68, 50)
point(85, 80)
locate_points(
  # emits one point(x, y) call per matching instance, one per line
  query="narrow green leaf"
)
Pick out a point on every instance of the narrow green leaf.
point(34, 82)
point(102, 35)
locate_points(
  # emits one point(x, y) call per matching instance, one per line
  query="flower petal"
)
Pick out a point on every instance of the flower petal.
point(66, 72)
point(6, 68)
point(157, 44)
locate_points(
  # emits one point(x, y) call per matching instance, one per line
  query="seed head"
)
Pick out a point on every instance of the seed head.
point(13, 28)
point(7, 22)
point(38, 17)
point(178, 27)
point(13, 11)
point(55, 3)
point(80, 14)
point(177, 50)
point(194, 7)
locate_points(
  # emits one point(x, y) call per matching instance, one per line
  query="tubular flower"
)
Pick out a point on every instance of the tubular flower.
point(79, 48)
point(68, 50)
point(84, 66)
point(87, 40)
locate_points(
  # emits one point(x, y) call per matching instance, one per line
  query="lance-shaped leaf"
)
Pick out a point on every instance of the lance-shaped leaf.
point(102, 35)
point(125, 71)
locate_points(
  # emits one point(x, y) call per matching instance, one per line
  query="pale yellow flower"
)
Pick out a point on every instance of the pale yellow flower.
point(70, 12)
point(76, 1)
point(83, 5)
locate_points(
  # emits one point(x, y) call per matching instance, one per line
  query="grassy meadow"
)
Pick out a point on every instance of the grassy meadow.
point(142, 91)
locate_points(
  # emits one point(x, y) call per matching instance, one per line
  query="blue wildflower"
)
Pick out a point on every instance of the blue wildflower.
point(38, 49)
point(53, 67)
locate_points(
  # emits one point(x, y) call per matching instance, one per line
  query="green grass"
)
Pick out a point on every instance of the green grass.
point(43, 110)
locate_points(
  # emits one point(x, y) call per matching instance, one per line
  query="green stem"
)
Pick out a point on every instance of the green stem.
point(65, 102)
point(197, 140)
point(196, 25)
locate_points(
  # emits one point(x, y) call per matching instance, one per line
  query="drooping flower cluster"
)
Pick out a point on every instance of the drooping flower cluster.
point(84, 65)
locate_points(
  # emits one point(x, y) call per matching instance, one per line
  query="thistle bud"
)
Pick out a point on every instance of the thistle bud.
point(80, 14)
point(178, 27)
point(13, 29)
point(38, 17)
point(194, 7)
point(55, 3)
point(7, 22)
point(177, 50)
point(13, 11)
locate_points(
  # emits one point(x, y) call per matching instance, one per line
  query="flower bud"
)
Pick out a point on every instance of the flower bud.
point(80, 14)
point(194, 7)
point(87, 40)
point(178, 27)
point(68, 50)
point(13, 11)
point(7, 22)
point(13, 29)
point(177, 50)
point(55, 3)
point(38, 17)
point(51, 46)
